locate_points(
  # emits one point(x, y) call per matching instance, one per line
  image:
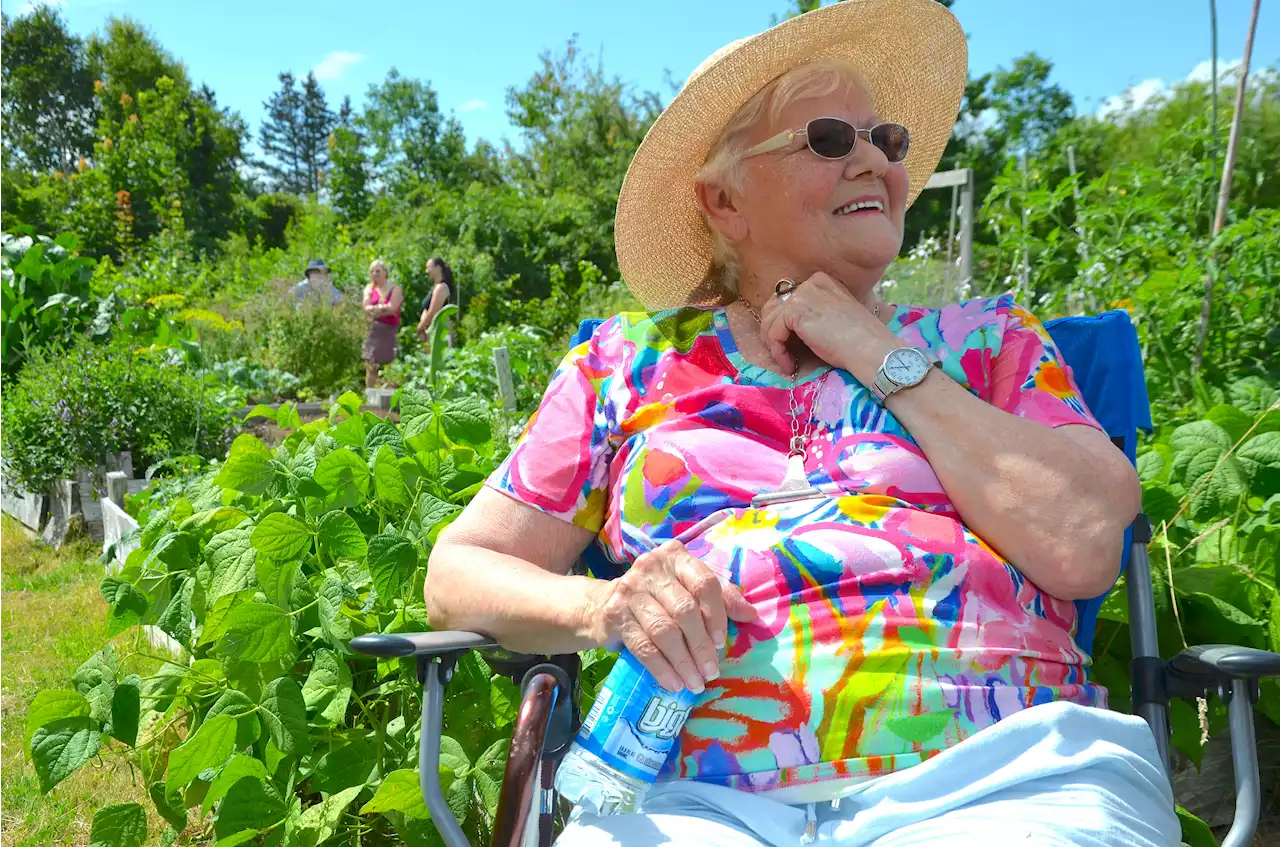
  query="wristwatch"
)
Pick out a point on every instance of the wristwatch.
point(902, 368)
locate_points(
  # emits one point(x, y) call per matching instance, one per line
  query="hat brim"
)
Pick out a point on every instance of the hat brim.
point(913, 58)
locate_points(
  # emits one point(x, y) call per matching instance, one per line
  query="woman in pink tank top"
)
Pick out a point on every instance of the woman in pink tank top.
point(382, 302)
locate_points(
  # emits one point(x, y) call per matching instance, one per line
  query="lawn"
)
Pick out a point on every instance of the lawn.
point(51, 620)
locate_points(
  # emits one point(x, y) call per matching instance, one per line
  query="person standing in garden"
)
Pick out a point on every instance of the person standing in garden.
point(316, 282)
point(444, 292)
point(382, 302)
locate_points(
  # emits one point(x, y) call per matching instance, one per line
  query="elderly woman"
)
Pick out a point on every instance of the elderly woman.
point(898, 627)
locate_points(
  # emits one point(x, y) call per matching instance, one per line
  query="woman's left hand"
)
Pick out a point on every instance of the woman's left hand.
point(831, 322)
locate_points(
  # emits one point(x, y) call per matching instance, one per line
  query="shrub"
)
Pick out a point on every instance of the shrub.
point(70, 407)
point(263, 573)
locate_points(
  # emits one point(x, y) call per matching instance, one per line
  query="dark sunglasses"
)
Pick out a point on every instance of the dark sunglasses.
point(835, 138)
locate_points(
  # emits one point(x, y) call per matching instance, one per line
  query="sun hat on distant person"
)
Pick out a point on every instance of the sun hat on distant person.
point(913, 59)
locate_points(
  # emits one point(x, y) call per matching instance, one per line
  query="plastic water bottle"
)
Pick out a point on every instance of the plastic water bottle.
point(624, 741)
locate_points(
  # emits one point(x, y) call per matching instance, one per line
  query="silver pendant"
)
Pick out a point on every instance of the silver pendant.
point(794, 486)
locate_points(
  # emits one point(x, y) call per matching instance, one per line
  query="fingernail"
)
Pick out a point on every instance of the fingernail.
point(696, 686)
point(710, 671)
point(718, 639)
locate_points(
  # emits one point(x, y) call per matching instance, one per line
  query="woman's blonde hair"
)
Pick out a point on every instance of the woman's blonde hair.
point(379, 263)
point(724, 164)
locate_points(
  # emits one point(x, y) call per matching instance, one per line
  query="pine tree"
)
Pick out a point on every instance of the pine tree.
point(348, 182)
point(317, 122)
point(282, 139)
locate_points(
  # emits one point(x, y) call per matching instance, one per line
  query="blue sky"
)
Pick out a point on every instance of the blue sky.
point(471, 52)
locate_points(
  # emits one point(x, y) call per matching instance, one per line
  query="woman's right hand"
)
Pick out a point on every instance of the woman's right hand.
point(672, 613)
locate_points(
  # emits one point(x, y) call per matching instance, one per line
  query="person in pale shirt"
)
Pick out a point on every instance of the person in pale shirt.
point(317, 285)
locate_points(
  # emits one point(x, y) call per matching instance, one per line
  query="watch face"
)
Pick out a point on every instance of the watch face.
point(905, 367)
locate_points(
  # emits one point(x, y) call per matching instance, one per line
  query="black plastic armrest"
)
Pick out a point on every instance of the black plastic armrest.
point(1210, 665)
point(429, 644)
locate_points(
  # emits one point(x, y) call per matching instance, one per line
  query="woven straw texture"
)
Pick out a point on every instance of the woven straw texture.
point(913, 56)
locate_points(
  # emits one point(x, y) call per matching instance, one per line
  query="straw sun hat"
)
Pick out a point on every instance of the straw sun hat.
point(913, 58)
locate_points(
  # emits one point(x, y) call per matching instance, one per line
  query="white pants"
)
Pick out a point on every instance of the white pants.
point(1056, 774)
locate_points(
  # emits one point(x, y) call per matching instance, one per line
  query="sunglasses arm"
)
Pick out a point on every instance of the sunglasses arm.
point(779, 141)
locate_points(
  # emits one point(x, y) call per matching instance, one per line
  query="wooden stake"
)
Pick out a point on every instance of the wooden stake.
point(1224, 190)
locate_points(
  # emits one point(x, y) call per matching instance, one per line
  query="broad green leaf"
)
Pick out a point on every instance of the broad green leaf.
point(175, 549)
point(244, 836)
point(413, 405)
point(219, 614)
point(1159, 503)
point(383, 434)
point(392, 561)
point(388, 482)
point(400, 792)
point(276, 578)
point(281, 536)
point(251, 803)
point(59, 747)
point(95, 679)
point(176, 619)
point(503, 697)
point(121, 825)
point(328, 687)
point(1195, 832)
point(1217, 481)
point(168, 803)
point(351, 402)
point(231, 557)
point(348, 762)
point(493, 760)
point(1234, 422)
point(423, 433)
point(212, 744)
point(466, 421)
point(237, 768)
point(1261, 457)
point(432, 510)
point(218, 520)
point(1151, 466)
point(248, 466)
point(489, 789)
point(287, 417)
point(126, 709)
point(159, 688)
point(344, 474)
point(257, 632)
point(261, 411)
point(126, 604)
point(320, 822)
point(340, 537)
point(336, 626)
point(1223, 621)
point(239, 705)
point(1252, 395)
point(49, 706)
point(285, 715)
point(453, 756)
point(350, 432)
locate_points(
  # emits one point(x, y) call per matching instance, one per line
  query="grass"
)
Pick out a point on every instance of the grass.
point(51, 620)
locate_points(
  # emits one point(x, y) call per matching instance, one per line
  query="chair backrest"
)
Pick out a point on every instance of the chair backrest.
point(1105, 358)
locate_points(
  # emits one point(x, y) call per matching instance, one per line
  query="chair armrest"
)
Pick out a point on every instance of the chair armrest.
point(430, 644)
point(1211, 665)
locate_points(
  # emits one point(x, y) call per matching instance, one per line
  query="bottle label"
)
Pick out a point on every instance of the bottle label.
point(634, 722)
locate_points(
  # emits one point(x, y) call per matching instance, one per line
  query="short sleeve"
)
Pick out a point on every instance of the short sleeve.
point(560, 465)
point(1029, 377)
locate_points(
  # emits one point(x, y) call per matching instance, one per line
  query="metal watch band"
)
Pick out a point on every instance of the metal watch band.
point(884, 385)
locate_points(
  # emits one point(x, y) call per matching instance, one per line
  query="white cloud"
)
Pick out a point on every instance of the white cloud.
point(335, 64)
point(472, 105)
point(1139, 95)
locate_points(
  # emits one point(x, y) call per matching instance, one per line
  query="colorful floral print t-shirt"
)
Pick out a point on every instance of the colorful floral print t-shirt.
point(887, 632)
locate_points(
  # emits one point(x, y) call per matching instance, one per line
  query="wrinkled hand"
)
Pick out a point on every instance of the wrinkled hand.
point(672, 613)
point(831, 322)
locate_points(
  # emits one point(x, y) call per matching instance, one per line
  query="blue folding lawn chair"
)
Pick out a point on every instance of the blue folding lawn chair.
point(1104, 355)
